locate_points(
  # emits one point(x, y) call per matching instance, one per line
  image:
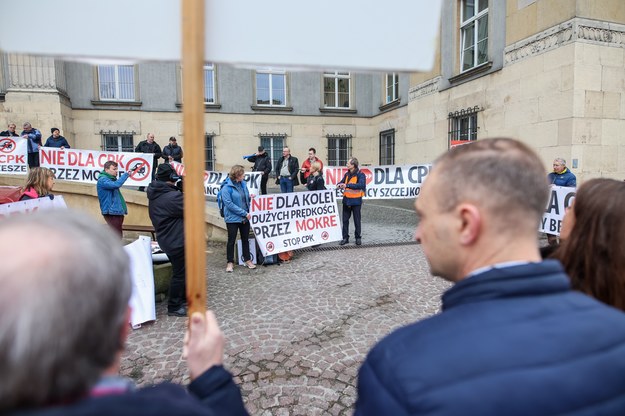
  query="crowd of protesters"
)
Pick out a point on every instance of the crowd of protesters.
point(510, 328)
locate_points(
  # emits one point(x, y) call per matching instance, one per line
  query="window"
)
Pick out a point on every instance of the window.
point(387, 147)
point(339, 149)
point(118, 142)
point(336, 88)
point(474, 33)
point(391, 87)
point(273, 145)
point(271, 87)
point(209, 84)
point(463, 126)
point(209, 152)
point(116, 82)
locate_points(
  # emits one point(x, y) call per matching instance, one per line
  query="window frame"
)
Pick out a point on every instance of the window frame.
point(209, 151)
point(337, 76)
point(210, 68)
point(334, 149)
point(120, 143)
point(272, 73)
point(394, 87)
point(273, 144)
point(457, 133)
point(385, 146)
point(465, 23)
point(116, 83)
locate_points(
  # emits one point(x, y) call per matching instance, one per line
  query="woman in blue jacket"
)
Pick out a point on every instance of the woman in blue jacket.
point(236, 200)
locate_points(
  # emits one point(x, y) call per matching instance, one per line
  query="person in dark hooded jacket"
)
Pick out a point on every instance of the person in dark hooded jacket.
point(166, 209)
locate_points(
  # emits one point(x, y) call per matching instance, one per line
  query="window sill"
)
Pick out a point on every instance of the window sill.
point(207, 106)
point(390, 105)
point(117, 103)
point(337, 110)
point(471, 72)
point(270, 108)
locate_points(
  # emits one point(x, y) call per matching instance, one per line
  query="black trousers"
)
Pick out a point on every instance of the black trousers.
point(244, 229)
point(347, 213)
point(263, 184)
point(178, 284)
point(33, 160)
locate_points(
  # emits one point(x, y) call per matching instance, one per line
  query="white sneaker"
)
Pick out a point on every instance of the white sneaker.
point(250, 265)
point(229, 267)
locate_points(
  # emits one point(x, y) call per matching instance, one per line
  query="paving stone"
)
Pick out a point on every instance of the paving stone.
point(296, 334)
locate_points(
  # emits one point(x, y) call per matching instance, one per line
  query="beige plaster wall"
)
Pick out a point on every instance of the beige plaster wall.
point(568, 102)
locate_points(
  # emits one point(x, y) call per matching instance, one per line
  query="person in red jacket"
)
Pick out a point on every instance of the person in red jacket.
point(312, 158)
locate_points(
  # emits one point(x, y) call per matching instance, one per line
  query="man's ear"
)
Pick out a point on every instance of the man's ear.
point(470, 223)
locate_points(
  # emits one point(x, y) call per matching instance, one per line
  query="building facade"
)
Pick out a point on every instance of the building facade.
point(549, 72)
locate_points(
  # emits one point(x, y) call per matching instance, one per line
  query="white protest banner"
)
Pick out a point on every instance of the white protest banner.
point(213, 180)
point(560, 198)
point(13, 156)
point(283, 222)
point(32, 205)
point(85, 165)
point(142, 301)
point(383, 182)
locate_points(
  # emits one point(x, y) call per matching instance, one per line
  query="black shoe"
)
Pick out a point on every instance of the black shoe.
point(358, 242)
point(344, 241)
point(180, 312)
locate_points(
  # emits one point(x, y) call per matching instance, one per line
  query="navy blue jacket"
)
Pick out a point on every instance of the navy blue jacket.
point(34, 140)
point(510, 341)
point(166, 210)
point(213, 393)
point(566, 178)
point(58, 142)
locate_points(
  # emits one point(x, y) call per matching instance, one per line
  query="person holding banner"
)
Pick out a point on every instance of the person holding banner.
point(64, 319)
point(56, 140)
point(312, 158)
point(33, 137)
point(560, 176)
point(172, 152)
point(512, 338)
point(150, 146)
point(315, 180)
point(10, 132)
point(166, 210)
point(287, 169)
point(353, 185)
point(592, 250)
point(112, 203)
point(236, 199)
point(39, 183)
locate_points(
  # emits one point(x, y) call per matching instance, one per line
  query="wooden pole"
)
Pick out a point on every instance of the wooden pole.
point(193, 130)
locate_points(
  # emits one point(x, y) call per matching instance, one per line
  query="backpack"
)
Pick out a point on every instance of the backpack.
point(220, 202)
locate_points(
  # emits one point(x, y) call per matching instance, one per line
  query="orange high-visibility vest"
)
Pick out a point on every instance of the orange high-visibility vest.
point(352, 193)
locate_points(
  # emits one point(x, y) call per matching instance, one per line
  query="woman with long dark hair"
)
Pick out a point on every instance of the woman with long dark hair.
point(593, 241)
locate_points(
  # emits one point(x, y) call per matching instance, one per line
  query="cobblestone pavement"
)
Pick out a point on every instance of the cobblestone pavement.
point(297, 333)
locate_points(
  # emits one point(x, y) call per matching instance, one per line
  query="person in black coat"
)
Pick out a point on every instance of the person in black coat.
point(287, 170)
point(150, 146)
point(166, 209)
point(315, 180)
point(10, 132)
point(262, 163)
